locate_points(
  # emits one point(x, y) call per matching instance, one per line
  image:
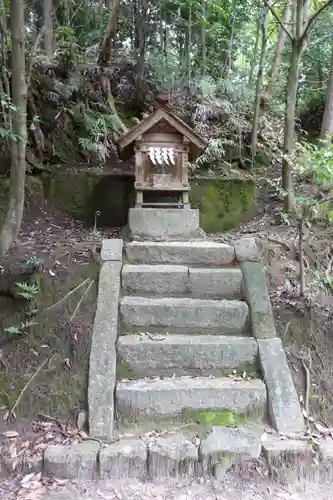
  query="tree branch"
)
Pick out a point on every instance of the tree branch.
point(33, 54)
point(313, 18)
point(273, 11)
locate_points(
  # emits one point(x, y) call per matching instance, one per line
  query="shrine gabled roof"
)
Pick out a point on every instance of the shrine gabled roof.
point(126, 141)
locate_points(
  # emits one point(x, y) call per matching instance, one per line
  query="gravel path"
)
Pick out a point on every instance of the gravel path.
point(232, 488)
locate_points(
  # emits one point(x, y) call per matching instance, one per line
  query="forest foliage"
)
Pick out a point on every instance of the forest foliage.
point(252, 76)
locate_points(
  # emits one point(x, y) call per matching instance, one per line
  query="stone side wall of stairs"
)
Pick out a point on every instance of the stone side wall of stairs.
point(177, 318)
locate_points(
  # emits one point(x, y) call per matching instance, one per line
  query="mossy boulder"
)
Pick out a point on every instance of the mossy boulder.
point(223, 202)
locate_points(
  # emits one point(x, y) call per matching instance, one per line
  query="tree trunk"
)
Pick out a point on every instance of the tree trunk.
point(289, 121)
point(278, 51)
point(254, 58)
point(13, 218)
point(48, 23)
point(203, 39)
point(107, 47)
point(327, 123)
point(255, 123)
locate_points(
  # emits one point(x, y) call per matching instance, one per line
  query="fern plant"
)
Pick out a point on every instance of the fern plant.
point(98, 127)
point(26, 290)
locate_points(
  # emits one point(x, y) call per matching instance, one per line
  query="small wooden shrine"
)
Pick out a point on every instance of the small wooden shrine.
point(163, 144)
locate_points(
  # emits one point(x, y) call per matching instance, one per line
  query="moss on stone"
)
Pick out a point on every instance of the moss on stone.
point(209, 417)
point(223, 203)
point(124, 371)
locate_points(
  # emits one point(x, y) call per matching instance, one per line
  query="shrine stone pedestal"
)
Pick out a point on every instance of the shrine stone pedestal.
point(164, 224)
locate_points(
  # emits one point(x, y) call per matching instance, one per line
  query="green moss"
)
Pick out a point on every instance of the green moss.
point(223, 203)
point(124, 371)
point(223, 418)
point(71, 193)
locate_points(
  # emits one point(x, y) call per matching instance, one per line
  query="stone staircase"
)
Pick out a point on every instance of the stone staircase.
point(184, 337)
point(184, 328)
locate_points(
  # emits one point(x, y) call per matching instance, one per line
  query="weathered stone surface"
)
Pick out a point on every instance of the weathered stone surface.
point(215, 283)
point(191, 253)
point(199, 355)
point(283, 405)
point(161, 279)
point(165, 223)
point(102, 366)
point(125, 459)
point(77, 461)
point(246, 250)
point(182, 315)
point(326, 459)
point(289, 460)
point(112, 249)
point(226, 446)
point(170, 396)
point(256, 295)
point(173, 455)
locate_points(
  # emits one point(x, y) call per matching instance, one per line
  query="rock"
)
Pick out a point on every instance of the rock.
point(226, 447)
point(164, 223)
point(169, 397)
point(184, 315)
point(75, 461)
point(257, 297)
point(102, 364)
point(124, 459)
point(289, 460)
point(246, 250)
point(194, 253)
point(215, 283)
point(283, 404)
point(112, 249)
point(159, 279)
point(172, 456)
point(199, 355)
point(82, 420)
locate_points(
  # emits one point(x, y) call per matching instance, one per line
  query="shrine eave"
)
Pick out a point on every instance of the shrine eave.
point(126, 141)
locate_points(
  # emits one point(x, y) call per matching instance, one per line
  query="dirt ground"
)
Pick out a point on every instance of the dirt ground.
point(231, 487)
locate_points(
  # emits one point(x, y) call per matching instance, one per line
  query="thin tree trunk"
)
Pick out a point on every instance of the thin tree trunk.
point(203, 39)
point(256, 114)
point(48, 23)
point(289, 121)
point(327, 122)
point(255, 51)
point(107, 47)
point(13, 218)
point(189, 42)
point(278, 51)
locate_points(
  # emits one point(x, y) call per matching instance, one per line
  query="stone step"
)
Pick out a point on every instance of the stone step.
point(201, 355)
point(184, 315)
point(177, 280)
point(171, 397)
point(194, 253)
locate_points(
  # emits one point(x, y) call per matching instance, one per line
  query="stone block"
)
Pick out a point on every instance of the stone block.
point(174, 455)
point(159, 279)
point(164, 224)
point(75, 461)
point(215, 283)
point(326, 459)
point(289, 460)
point(191, 253)
point(257, 297)
point(125, 459)
point(184, 315)
point(169, 397)
point(226, 447)
point(283, 405)
point(246, 250)
point(178, 355)
point(112, 249)
point(102, 365)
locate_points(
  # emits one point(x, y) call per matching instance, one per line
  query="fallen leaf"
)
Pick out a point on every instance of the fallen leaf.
point(11, 434)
